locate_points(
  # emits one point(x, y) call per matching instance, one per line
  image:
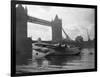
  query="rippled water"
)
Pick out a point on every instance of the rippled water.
point(83, 61)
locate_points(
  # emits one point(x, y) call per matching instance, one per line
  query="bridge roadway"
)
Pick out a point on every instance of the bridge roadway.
point(39, 21)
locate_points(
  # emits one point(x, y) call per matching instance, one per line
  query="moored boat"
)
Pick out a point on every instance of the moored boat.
point(68, 51)
point(40, 51)
point(43, 49)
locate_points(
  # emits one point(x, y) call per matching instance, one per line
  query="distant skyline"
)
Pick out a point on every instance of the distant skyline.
point(75, 21)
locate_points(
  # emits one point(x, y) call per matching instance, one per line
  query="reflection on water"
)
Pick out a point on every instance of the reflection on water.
point(83, 61)
point(63, 60)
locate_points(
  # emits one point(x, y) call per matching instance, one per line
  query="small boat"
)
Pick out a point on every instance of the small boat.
point(40, 50)
point(68, 51)
point(44, 49)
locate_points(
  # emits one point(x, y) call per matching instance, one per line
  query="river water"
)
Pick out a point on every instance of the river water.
point(83, 61)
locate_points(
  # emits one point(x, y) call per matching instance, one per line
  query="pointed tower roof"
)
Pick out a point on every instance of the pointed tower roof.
point(56, 17)
point(20, 6)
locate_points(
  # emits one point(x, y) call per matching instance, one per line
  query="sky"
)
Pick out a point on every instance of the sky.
point(75, 21)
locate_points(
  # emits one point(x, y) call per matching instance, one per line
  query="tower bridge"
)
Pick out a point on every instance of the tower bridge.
point(23, 43)
point(55, 24)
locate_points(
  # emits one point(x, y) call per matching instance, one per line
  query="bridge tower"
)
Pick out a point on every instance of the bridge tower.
point(23, 43)
point(56, 25)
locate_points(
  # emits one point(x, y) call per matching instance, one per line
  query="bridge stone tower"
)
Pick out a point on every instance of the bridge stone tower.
point(23, 44)
point(56, 25)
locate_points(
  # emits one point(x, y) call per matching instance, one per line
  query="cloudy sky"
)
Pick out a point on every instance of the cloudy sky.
point(75, 21)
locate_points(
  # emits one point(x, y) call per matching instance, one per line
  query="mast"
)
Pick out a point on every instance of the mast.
point(67, 37)
point(88, 35)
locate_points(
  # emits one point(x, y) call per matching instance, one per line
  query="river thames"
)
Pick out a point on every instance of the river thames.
point(86, 60)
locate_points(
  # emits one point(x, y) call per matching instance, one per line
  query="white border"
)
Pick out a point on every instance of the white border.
point(5, 28)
